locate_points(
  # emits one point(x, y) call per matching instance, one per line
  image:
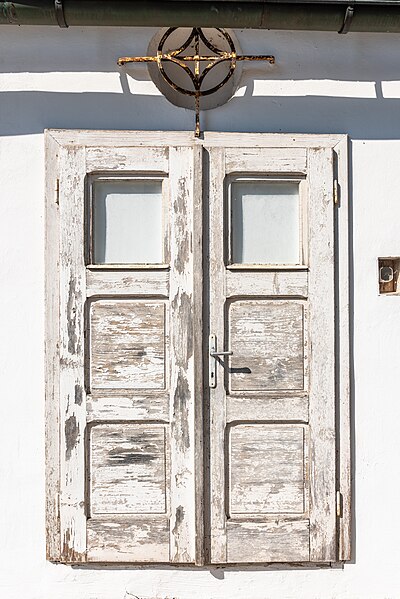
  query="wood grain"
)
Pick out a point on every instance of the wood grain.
point(127, 159)
point(183, 391)
point(266, 469)
point(261, 160)
point(264, 406)
point(275, 283)
point(138, 283)
point(72, 392)
point(264, 536)
point(52, 351)
point(128, 344)
point(119, 404)
point(218, 546)
point(128, 469)
point(281, 540)
point(114, 539)
point(322, 349)
point(123, 139)
point(267, 343)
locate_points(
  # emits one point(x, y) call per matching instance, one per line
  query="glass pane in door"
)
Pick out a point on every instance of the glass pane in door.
point(265, 222)
point(127, 222)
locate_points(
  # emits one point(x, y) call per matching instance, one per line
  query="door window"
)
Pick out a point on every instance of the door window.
point(265, 222)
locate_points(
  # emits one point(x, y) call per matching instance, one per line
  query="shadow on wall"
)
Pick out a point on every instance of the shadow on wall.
point(30, 112)
point(345, 76)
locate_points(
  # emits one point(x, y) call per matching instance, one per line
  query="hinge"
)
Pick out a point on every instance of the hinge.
point(336, 192)
point(57, 191)
point(339, 504)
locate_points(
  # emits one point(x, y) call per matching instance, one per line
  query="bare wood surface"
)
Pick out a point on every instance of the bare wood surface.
point(266, 469)
point(72, 388)
point(198, 340)
point(270, 284)
point(247, 406)
point(129, 160)
point(128, 341)
point(113, 405)
point(281, 540)
point(52, 357)
point(119, 138)
point(266, 339)
point(128, 469)
point(183, 467)
point(149, 407)
point(254, 160)
point(217, 326)
point(147, 283)
point(124, 539)
point(322, 378)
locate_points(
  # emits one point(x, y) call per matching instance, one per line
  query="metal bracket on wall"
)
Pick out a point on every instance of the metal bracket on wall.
point(59, 12)
point(348, 17)
point(192, 64)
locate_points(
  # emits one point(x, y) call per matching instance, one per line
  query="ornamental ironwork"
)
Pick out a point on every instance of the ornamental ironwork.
point(197, 66)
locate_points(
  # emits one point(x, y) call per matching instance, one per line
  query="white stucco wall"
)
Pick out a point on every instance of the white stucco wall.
point(321, 83)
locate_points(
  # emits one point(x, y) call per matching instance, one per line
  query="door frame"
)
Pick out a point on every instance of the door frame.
point(120, 139)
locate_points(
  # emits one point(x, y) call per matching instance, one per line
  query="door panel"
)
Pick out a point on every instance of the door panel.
point(267, 341)
point(272, 402)
point(128, 342)
point(266, 469)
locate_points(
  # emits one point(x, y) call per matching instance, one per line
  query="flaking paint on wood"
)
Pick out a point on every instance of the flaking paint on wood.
point(128, 469)
point(281, 540)
point(183, 391)
point(271, 409)
point(267, 343)
point(114, 539)
point(266, 469)
point(128, 344)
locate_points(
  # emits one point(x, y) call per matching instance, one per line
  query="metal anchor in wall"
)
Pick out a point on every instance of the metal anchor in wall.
point(197, 66)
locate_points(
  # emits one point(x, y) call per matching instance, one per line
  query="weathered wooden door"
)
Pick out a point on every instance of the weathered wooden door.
point(128, 366)
point(191, 316)
point(272, 396)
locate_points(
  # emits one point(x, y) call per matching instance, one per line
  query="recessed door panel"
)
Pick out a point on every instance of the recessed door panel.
point(128, 344)
point(267, 469)
point(128, 469)
point(267, 343)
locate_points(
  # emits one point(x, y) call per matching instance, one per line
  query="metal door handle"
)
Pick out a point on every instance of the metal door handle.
point(214, 353)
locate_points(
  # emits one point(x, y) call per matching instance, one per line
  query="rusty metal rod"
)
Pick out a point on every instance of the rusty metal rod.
point(372, 16)
point(223, 56)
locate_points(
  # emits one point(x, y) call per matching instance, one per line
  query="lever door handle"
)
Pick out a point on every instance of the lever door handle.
point(214, 353)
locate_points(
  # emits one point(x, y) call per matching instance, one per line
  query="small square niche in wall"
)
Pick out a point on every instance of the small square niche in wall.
point(388, 275)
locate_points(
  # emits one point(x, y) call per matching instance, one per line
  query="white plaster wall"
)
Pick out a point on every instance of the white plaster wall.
point(321, 83)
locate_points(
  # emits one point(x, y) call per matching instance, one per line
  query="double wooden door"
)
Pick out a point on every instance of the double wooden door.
point(196, 377)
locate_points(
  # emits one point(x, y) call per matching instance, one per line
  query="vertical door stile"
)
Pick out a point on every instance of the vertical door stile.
point(72, 392)
point(322, 373)
point(184, 316)
point(217, 327)
point(52, 351)
point(198, 340)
